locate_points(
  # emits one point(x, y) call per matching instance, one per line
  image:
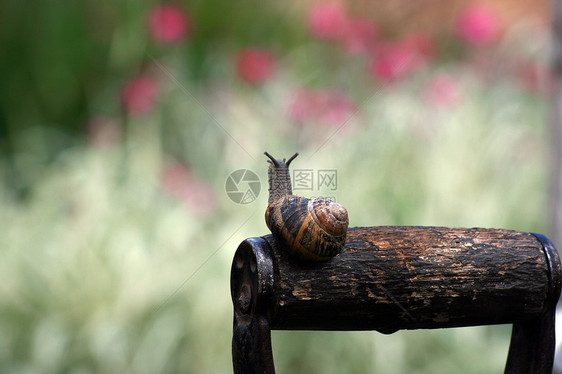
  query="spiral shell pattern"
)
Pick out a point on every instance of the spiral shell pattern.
point(314, 229)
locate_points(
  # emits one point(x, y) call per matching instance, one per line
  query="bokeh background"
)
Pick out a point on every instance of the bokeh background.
point(120, 122)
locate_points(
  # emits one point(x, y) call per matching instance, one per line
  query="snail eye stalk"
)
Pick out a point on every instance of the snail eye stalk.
point(273, 160)
point(292, 158)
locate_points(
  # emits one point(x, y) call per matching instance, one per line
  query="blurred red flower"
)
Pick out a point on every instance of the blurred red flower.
point(393, 64)
point(254, 65)
point(330, 107)
point(442, 91)
point(327, 20)
point(334, 107)
point(138, 96)
point(302, 105)
point(178, 182)
point(168, 24)
point(394, 60)
point(478, 25)
point(360, 35)
point(421, 46)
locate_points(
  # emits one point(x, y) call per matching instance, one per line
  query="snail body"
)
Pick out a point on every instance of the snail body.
point(313, 229)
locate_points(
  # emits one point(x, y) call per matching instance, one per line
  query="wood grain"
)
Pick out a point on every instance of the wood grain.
point(391, 278)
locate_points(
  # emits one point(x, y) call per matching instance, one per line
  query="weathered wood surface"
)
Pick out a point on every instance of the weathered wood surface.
point(391, 278)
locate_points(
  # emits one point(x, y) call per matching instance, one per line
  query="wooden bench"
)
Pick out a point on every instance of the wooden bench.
point(393, 278)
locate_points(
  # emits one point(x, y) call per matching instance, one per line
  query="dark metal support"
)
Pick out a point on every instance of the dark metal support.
point(251, 280)
point(532, 341)
point(532, 346)
point(392, 278)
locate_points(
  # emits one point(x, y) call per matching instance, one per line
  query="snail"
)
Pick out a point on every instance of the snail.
point(313, 229)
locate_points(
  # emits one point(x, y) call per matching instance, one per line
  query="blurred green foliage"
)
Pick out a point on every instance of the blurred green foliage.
point(115, 262)
point(64, 62)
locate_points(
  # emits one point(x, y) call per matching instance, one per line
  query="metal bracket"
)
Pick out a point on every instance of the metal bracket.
point(532, 345)
point(251, 286)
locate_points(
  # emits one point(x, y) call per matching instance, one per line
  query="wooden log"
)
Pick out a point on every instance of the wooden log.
point(392, 278)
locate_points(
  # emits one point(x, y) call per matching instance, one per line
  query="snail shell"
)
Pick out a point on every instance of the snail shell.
point(313, 229)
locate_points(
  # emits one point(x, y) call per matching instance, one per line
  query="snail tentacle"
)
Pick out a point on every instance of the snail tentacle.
point(312, 229)
point(273, 160)
point(292, 158)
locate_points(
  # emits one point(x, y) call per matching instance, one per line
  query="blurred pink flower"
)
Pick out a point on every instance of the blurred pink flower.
point(102, 131)
point(478, 25)
point(421, 46)
point(394, 60)
point(334, 107)
point(302, 105)
point(168, 23)
point(178, 182)
point(360, 35)
point(138, 96)
point(442, 91)
point(254, 65)
point(328, 107)
point(327, 20)
point(387, 66)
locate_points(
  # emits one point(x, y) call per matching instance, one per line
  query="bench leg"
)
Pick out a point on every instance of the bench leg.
point(531, 350)
point(532, 346)
point(251, 348)
point(251, 285)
